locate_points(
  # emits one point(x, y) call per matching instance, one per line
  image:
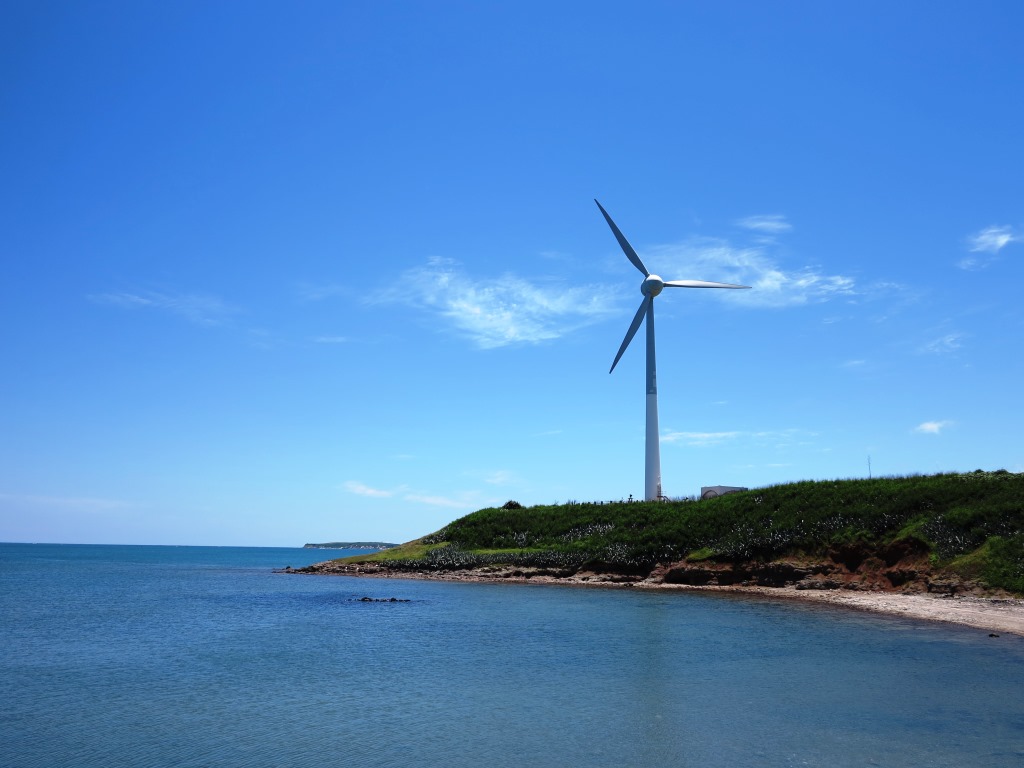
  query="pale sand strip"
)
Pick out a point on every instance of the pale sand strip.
point(988, 614)
point(995, 615)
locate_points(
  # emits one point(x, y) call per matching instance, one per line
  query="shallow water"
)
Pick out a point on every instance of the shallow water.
point(187, 656)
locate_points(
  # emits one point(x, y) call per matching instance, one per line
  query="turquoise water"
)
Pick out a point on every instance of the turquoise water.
point(191, 656)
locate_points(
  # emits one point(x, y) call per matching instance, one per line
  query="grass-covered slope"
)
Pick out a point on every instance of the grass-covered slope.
point(971, 524)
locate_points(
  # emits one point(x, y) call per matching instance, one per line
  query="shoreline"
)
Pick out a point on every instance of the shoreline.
point(993, 615)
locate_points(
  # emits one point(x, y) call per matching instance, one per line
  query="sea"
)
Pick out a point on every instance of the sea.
point(205, 656)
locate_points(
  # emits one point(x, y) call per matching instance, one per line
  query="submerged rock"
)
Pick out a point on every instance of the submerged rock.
point(382, 600)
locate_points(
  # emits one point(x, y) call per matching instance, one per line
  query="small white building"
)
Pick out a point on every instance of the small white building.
point(713, 491)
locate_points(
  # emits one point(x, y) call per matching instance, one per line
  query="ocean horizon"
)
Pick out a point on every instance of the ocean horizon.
point(153, 655)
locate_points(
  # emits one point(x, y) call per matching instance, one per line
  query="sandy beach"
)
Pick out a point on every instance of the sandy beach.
point(994, 615)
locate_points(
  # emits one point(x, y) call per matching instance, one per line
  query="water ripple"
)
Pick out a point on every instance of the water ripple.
point(178, 657)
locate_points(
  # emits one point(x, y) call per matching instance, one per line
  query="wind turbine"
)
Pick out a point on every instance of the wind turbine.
point(650, 287)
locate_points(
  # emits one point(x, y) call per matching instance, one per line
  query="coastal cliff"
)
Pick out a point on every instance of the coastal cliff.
point(950, 534)
point(901, 570)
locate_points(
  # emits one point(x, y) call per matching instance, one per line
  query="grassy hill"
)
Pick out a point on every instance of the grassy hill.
point(970, 525)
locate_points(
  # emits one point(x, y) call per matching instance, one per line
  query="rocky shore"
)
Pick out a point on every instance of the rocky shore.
point(897, 583)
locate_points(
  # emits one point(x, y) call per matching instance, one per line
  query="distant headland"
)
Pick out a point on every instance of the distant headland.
point(351, 545)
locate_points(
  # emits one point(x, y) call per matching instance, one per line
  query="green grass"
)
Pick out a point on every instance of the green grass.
point(972, 523)
point(410, 551)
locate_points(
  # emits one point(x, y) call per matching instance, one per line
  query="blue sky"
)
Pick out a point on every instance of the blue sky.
point(289, 272)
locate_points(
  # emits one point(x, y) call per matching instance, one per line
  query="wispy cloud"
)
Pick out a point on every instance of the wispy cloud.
point(440, 501)
point(773, 285)
point(505, 310)
point(468, 500)
point(331, 339)
point(197, 308)
point(769, 223)
point(988, 242)
point(359, 489)
point(944, 344)
point(932, 427)
point(496, 312)
point(699, 438)
point(777, 438)
point(992, 239)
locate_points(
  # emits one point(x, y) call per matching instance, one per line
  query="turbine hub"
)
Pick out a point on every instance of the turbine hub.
point(652, 286)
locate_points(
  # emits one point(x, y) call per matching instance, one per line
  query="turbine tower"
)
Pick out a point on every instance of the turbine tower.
point(650, 287)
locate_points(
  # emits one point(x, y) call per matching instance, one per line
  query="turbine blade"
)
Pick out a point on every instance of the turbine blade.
point(700, 284)
point(637, 319)
point(626, 247)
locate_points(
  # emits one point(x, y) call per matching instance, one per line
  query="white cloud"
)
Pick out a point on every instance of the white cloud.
point(500, 311)
point(775, 438)
point(854, 364)
point(932, 427)
point(359, 489)
point(943, 345)
point(197, 308)
point(440, 501)
point(769, 223)
point(465, 501)
point(772, 285)
point(698, 438)
point(331, 339)
point(506, 310)
point(990, 241)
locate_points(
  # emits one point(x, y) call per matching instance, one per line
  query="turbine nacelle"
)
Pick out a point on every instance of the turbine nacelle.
point(652, 286)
